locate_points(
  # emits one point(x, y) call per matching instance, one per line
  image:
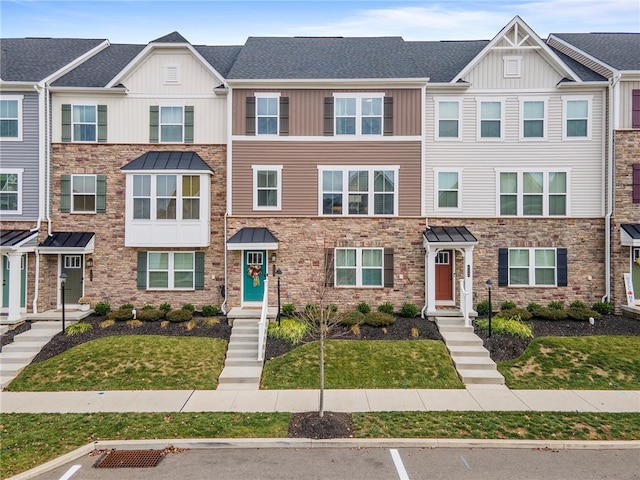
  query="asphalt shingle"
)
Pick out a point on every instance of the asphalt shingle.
point(618, 50)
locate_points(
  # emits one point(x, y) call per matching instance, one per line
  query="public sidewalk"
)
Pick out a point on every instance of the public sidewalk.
point(370, 400)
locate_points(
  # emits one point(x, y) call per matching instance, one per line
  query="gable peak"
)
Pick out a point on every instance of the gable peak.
point(173, 37)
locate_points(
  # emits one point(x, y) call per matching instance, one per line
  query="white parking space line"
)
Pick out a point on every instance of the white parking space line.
point(402, 473)
point(70, 472)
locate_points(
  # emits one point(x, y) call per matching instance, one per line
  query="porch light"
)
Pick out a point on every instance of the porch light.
point(278, 273)
point(89, 262)
point(63, 283)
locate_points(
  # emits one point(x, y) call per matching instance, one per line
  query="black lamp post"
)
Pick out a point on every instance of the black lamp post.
point(63, 282)
point(278, 273)
point(489, 283)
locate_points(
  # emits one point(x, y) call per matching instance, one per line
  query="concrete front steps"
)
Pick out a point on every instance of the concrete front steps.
point(25, 346)
point(469, 356)
point(242, 369)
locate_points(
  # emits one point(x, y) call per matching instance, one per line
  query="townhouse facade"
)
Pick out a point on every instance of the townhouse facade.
point(353, 169)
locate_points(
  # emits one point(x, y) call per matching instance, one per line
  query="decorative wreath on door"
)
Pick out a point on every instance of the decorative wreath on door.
point(254, 272)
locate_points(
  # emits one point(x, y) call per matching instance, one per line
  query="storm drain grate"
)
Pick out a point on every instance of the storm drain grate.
point(130, 459)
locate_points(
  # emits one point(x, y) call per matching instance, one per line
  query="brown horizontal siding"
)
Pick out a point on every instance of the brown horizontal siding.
point(300, 162)
point(306, 110)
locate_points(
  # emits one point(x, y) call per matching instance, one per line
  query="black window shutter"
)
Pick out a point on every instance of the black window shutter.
point(503, 267)
point(251, 116)
point(102, 123)
point(328, 116)
point(635, 109)
point(142, 270)
point(388, 267)
point(388, 115)
point(328, 268)
point(199, 271)
point(154, 123)
point(561, 259)
point(188, 124)
point(65, 193)
point(636, 182)
point(66, 122)
point(284, 116)
point(101, 194)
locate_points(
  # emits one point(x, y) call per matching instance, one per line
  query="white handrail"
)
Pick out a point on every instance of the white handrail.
point(464, 304)
point(262, 325)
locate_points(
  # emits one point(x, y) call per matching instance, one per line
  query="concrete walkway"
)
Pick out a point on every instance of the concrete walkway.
point(495, 398)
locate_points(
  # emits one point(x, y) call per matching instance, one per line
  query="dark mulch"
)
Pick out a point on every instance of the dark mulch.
point(311, 425)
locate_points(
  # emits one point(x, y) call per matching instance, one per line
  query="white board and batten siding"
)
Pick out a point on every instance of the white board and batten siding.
point(626, 93)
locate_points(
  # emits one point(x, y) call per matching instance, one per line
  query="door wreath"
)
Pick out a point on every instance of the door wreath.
point(254, 272)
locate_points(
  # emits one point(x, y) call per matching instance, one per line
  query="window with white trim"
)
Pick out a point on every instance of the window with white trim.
point(84, 123)
point(532, 266)
point(170, 271)
point(83, 193)
point(166, 197)
point(448, 189)
point(358, 191)
point(448, 119)
point(171, 124)
point(541, 193)
point(11, 191)
point(267, 187)
point(359, 267)
point(267, 113)
point(490, 119)
point(533, 118)
point(358, 114)
point(577, 118)
point(11, 117)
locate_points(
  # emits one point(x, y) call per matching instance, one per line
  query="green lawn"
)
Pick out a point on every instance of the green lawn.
point(135, 362)
point(586, 363)
point(364, 364)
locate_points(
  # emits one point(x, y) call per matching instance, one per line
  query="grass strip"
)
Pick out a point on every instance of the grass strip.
point(135, 362)
point(576, 363)
point(364, 364)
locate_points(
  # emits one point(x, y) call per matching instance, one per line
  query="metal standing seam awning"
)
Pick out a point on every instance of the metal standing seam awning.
point(68, 243)
point(18, 240)
point(630, 235)
point(449, 236)
point(253, 238)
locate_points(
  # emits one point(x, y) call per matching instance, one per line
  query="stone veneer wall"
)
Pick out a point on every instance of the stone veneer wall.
point(626, 153)
point(115, 266)
point(302, 243)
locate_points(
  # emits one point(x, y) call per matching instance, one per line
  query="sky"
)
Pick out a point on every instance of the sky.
point(231, 22)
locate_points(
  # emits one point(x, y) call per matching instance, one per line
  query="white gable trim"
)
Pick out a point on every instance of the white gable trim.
point(518, 24)
point(604, 65)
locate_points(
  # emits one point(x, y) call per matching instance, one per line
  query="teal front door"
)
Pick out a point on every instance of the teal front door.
point(254, 270)
point(5, 282)
point(635, 273)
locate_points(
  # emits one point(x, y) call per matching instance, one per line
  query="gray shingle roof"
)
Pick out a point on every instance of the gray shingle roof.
point(34, 59)
point(221, 58)
point(323, 58)
point(618, 50)
point(585, 74)
point(173, 37)
point(168, 161)
point(442, 61)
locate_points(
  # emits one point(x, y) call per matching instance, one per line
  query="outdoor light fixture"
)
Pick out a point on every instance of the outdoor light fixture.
point(89, 262)
point(63, 283)
point(278, 273)
point(274, 256)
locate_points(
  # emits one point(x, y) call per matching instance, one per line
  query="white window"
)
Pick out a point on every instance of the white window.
point(83, 193)
point(358, 190)
point(532, 266)
point(448, 119)
point(73, 261)
point(84, 123)
point(358, 114)
point(267, 187)
point(490, 119)
point(11, 117)
point(171, 74)
point(448, 183)
point(533, 118)
point(359, 267)
point(166, 197)
point(170, 271)
point(577, 118)
point(11, 191)
point(541, 193)
point(267, 113)
point(512, 66)
point(171, 124)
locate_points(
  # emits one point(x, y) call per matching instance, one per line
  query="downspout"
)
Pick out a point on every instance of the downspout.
point(423, 168)
point(41, 90)
point(227, 212)
point(426, 272)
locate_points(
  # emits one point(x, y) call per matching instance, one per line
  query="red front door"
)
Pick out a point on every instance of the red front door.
point(444, 275)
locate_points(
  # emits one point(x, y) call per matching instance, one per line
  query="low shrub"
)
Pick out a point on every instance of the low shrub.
point(603, 308)
point(415, 333)
point(333, 308)
point(134, 323)
point(577, 304)
point(483, 307)
point(310, 307)
point(409, 310)
point(386, 307)
point(521, 314)
point(363, 307)
point(288, 309)
point(179, 316)
point(210, 321)
point(77, 329)
point(165, 307)
point(548, 313)
point(106, 323)
point(508, 305)
point(190, 325)
point(534, 308)
point(290, 330)
point(127, 306)
point(102, 308)
point(149, 315)
point(379, 319)
point(121, 315)
point(584, 313)
point(556, 305)
point(352, 317)
point(148, 307)
point(189, 307)
point(210, 310)
point(504, 326)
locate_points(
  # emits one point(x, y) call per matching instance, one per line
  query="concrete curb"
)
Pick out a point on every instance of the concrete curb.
point(207, 443)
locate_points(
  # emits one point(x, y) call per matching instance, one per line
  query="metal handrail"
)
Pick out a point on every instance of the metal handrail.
point(262, 324)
